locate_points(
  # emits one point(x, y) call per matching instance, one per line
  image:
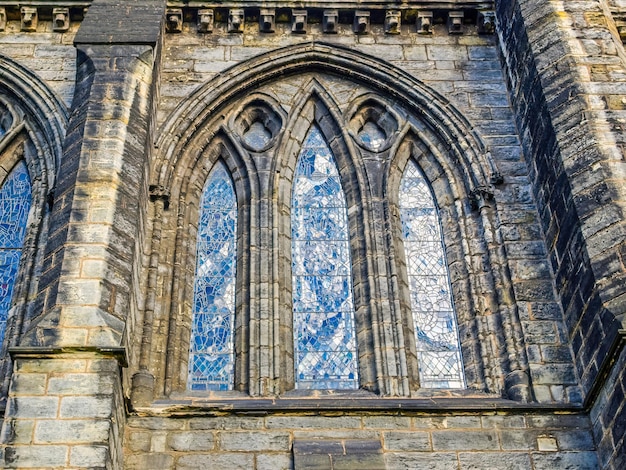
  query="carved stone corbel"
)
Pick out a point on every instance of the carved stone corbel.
point(424, 22)
point(206, 20)
point(174, 22)
point(486, 22)
point(235, 20)
point(392, 21)
point(60, 19)
point(455, 22)
point(29, 19)
point(330, 20)
point(299, 21)
point(361, 23)
point(266, 20)
point(3, 19)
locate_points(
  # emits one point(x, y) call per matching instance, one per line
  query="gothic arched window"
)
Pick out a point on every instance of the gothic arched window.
point(211, 357)
point(436, 332)
point(15, 200)
point(323, 306)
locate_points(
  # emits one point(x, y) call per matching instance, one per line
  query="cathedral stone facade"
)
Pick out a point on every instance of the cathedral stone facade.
point(313, 235)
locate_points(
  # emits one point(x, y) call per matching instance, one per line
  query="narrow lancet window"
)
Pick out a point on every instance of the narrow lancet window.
point(323, 306)
point(436, 332)
point(15, 200)
point(211, 356)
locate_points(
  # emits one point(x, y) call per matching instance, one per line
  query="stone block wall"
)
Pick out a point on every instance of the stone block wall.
point(563, 109)
point(608, 417)
point(64, 412)
point(346, 441)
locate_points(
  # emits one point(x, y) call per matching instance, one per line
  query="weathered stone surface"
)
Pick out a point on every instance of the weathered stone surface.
point(520, 135)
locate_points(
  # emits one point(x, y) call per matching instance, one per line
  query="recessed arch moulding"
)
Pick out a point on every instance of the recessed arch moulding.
point(341, 91)
point(33, 121)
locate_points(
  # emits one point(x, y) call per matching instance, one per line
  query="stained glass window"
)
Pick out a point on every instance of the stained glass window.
point(15, 199)
point(211, 354)
point(323, 307)
point(436, 332)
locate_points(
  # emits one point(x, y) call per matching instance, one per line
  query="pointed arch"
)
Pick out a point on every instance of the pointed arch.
point(313, 106)
point(323, 308)
point(31, 146)
point(182, 221)
point(211, 361)
point(418, 123)
point(47, 115)
point(432, 306)
point(187, 123)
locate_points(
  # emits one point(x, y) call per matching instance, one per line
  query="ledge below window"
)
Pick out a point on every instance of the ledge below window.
point(328, 402)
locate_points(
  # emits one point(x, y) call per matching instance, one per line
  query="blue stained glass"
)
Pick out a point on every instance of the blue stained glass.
point(436, 331)
point(15, 200)
point(372, 136)
point(257, 136)
point(211, 355)
point(324, 335)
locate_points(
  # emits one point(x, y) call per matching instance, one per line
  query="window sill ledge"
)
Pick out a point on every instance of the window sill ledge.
point(332, 403)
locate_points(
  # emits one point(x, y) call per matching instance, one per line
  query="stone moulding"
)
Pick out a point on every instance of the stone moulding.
point(43, 106)
point(118, 353)
point(344, 403)
point(443, 118)
point(619, 341)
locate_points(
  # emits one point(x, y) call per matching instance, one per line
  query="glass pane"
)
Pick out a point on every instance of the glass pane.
point(15, 199)
point(211, 356)
point(436, 331)
point(257, 136)
point(324, 336)
point(372, 136)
